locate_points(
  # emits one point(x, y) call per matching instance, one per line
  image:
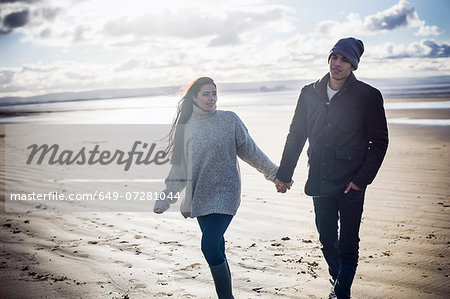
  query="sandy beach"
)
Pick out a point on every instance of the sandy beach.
point(272, 244)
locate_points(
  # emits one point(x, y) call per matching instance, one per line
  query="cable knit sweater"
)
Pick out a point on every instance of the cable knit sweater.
point(210, 172)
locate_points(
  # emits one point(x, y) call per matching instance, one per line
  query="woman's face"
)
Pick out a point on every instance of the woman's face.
point(207, 97)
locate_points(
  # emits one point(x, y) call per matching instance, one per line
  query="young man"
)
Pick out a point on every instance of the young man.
point(344, 121)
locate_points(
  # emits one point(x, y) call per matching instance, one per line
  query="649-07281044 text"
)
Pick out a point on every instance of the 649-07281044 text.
point(97, 195)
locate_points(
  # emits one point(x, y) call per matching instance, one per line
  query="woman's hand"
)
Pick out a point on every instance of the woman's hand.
point(283, 187)
point(161, 206)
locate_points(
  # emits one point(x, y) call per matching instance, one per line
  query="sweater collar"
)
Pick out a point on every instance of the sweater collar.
point(321, 85)
point(200, 114)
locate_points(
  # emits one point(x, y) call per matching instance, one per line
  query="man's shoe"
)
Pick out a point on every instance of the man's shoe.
point(332, 294)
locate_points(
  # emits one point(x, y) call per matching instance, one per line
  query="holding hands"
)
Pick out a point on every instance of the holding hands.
point(282, 187)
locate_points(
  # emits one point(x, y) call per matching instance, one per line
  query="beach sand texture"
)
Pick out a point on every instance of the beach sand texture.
point(272, 244)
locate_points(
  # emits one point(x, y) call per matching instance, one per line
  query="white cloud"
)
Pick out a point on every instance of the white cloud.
point(98, 22)
point(257, 59)
point(140, 45)
point(403, 67)
point(401, 15)
point(58, 76)
point(428, 30)
point(6, 77)
point(353, 25)
point(191, 23)
point(226, 38)
point(423, 49)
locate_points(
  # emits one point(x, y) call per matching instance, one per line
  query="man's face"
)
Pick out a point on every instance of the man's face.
point(340, 67)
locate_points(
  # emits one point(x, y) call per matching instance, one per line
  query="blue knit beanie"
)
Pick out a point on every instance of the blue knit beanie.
point(351, 48)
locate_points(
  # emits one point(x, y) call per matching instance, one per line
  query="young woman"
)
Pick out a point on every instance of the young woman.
point(205, 163)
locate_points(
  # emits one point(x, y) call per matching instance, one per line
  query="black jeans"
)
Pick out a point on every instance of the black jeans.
point(340, 250)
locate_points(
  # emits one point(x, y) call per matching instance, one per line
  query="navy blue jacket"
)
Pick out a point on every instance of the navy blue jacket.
point(348, 136)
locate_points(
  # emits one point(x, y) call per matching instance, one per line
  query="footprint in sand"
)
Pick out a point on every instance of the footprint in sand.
point(163, 294)
point(124, 264)
point(170, 243)
point(82, 255)
point(137, 284)
point(193, 266)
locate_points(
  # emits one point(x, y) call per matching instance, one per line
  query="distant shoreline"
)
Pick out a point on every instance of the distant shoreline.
point(391, 88)
point(17, 112)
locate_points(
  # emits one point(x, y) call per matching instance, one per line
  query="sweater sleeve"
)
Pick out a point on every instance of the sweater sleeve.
point(176, 180)
point(295, 141)
point(377, 134)
point(248, 151)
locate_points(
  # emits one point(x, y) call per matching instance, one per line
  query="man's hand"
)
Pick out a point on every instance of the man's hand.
point(351, 185)
point(282, 187)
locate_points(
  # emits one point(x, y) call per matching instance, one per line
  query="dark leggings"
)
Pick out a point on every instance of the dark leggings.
point(213, 228)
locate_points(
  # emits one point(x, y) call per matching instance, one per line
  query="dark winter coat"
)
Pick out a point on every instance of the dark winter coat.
point(347, 136)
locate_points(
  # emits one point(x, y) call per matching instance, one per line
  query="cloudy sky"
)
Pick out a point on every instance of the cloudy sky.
point(74, 45)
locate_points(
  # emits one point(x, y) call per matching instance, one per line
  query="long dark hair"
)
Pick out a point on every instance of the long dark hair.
point(184, 112)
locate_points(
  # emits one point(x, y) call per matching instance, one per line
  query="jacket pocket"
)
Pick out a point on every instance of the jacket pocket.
point(355, 194)
point(347, 163)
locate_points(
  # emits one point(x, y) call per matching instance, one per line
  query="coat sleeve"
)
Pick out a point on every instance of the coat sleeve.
point(295, 140)
point(377, 134)
point(247, 150)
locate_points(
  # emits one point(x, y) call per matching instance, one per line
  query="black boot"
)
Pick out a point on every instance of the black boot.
point(228, 268)
point(222, 280)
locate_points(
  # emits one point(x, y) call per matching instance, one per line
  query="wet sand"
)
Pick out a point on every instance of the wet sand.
point(272, 243)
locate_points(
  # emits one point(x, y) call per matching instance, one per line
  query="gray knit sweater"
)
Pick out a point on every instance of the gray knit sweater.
point(210, 172)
